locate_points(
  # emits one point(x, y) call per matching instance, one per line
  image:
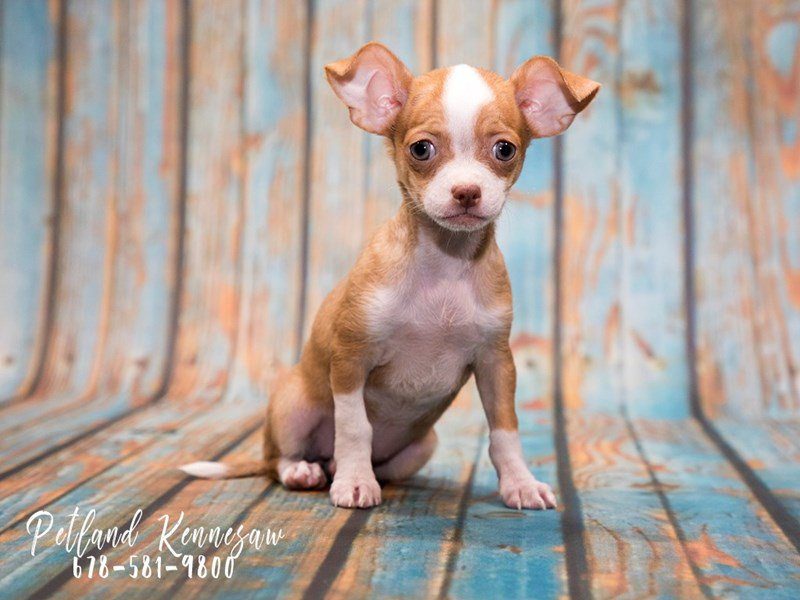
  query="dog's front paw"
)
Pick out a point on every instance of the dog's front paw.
point(526, 492)
point(355, 491)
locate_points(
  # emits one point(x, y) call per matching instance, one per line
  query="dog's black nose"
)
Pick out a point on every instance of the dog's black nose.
point(466, 195)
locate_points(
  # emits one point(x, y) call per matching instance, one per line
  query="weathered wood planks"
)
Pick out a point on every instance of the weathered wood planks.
point(35, 486)
point(621, 263)
point(28, 140)
point(214, 219)
point(594, 304)
point(410, 545)
point(338, 149)
point(746, 197)
point(115, 257)
point(114, 277)
point(274, 152)
point(152, 474)
point(730, 541)
point(652, 326)
point(624, 325)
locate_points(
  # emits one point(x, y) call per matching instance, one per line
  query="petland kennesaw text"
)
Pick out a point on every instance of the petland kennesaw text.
point(77, 536)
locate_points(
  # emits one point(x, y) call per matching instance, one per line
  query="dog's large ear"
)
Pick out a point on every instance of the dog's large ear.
point(550, 97)
point(374, 84)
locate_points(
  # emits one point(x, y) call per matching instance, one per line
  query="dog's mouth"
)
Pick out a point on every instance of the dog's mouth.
point(464, 220)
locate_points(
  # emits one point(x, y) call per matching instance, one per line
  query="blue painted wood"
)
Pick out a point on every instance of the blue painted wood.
point(622, 262)
point(725, 530)
point(116, 258)
point(525, 230)
point(35, 486)
point(203, 504)
point(214, 222)
point(88, 225)
point(624, 329)
point(116, 250)
point(513, 554)
point(147, 164)
point(652, 324)
point(151, 474)
point(27, 150)
point(590, 260)
point(408, 545)
point(771, 448)
point(274, 134)
point(463, 35)
point(746, 198)
point(338, 149)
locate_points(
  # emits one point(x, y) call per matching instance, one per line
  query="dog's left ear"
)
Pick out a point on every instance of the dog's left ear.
point(548, 96)
point(374, 84)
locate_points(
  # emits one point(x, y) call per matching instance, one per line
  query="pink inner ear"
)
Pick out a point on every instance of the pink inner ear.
point(382, 97)
point(544, 105)
point(372, 96)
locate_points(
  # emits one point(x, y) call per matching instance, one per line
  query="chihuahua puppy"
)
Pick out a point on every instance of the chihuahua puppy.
point(428, 302)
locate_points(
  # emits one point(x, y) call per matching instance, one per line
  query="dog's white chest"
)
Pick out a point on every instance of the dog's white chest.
point(428, 329)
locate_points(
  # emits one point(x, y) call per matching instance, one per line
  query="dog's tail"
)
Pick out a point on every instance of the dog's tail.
point(226, 470)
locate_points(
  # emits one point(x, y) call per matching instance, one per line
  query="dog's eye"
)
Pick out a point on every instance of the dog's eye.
point(422, 150)
point(504, 150)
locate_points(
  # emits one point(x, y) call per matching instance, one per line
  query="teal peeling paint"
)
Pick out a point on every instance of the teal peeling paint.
point(27, 107)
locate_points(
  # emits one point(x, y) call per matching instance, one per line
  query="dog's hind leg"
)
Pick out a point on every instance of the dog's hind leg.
point(409, 460)
point(301, 475)
point(295, 436)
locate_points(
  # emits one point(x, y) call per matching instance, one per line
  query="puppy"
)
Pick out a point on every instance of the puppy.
point(428, 302)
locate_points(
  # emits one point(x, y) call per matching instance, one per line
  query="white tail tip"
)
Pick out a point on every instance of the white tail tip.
point(205, 469)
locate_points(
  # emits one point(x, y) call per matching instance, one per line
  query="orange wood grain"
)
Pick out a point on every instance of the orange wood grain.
point(115, 278)
point(745, 197)
point(39, 484)
point(116, 493)
point(206, 504)
point(29, 100)
point(338, 149)
point(116, 250)
point(274, 153)
point(214, 221)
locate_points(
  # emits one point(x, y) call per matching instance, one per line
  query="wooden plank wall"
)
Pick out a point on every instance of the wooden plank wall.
point(179, 189)
point(747, 196)
point(133, 210)
point(28, 109)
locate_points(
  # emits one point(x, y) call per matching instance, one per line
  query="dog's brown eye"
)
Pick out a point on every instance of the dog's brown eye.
point(422, 150)
point(504, 150)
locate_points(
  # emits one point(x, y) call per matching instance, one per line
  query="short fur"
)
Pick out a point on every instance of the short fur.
point(428, 302)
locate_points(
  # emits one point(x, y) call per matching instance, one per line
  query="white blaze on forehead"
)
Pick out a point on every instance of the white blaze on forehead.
point(465, 92)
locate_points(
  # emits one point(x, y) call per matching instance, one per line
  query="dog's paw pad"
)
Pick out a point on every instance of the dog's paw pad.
point(303, 475)
point(527, 493)
point(355, 492)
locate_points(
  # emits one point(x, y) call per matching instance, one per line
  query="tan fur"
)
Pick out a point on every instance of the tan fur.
point(348, 355)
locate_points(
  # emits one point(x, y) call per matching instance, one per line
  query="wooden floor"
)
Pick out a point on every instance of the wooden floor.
point(648, 507)
point(179, 190)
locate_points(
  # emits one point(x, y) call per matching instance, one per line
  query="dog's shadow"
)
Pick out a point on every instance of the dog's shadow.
point(445, 497)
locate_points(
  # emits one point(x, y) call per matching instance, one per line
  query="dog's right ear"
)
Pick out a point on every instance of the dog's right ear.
point(374, 85)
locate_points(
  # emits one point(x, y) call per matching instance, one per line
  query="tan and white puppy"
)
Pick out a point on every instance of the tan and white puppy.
point(428, 302)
